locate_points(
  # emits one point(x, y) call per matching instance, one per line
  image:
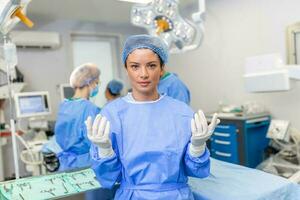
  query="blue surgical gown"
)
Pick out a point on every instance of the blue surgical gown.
point(175, 88)
point(150, 141)
point(71, 133)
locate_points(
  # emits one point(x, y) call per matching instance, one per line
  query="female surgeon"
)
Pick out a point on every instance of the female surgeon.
point(70, 130)
point(148, 142)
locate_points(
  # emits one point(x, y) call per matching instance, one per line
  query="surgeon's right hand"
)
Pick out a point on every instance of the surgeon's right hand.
point(98, 133)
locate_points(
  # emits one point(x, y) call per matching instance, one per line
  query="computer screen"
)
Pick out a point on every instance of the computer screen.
point(31, 104)
point(66, 91)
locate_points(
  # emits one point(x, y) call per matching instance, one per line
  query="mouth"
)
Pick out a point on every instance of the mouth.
point(144, 83)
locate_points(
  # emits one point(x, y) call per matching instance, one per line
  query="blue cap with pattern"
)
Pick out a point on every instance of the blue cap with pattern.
point(145, 42)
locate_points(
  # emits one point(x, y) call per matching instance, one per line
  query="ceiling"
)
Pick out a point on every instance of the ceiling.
point(112, 11)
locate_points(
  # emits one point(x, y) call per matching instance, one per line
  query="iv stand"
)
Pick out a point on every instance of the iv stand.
point(7, 54)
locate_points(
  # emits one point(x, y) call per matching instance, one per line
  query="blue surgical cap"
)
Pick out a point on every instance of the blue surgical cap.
point(115, 87)
point(145, 42)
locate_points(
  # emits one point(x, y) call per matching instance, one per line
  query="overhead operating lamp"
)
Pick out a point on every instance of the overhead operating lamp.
point(11, 12)
point(161, 18)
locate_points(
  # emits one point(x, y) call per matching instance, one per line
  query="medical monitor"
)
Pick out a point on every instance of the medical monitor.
point(32, 104)
point(66, 91)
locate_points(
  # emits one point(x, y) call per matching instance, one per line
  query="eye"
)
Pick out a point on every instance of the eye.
point(134, 67)
point(152, 66)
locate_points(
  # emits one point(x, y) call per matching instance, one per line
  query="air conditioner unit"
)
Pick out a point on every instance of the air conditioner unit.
point(36, 39)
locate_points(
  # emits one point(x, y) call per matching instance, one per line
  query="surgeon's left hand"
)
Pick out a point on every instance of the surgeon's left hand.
point(201, 132)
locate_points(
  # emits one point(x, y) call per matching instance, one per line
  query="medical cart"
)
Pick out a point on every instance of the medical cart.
point(240, 139)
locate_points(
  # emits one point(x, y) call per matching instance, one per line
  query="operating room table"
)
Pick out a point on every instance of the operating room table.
point(227, 181)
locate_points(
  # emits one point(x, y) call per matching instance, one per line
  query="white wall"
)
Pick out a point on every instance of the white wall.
point(236, 29)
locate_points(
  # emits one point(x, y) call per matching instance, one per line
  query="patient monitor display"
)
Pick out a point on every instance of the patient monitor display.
point(66, 91)
point(32, 104)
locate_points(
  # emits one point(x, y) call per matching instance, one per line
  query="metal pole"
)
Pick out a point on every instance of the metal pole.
point(6, 40)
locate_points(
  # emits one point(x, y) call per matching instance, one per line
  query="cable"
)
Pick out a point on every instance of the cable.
point(34, 161)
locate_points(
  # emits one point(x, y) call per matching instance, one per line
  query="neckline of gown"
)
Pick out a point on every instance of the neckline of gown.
point(129, 98)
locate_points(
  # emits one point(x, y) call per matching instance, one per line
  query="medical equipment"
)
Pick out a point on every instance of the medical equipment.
point(49, 186)
point(66, 91)
point(279, 130)
point(267, 73)
point(17, 85)
point(51, 162)
point(286, 141)
point(161, 18)
point(32, 104)
point(11, 12)
point(3, 141)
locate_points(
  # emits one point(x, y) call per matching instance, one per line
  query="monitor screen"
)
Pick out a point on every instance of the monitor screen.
point(34, 104)
point(67, 92)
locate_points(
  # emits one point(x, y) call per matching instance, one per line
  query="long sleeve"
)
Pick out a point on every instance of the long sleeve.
point(107, 170)
point(197, 167)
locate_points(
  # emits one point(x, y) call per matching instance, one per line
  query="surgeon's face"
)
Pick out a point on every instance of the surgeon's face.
point(144, 71)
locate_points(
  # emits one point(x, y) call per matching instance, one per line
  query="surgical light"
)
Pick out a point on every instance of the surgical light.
point(11, 12)
point(161, 18)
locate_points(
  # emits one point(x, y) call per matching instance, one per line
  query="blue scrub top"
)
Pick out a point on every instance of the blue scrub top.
point(173, 87)
point(71, 133)
point(150, 141)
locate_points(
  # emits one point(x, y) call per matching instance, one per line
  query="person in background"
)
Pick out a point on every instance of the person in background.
point(113, 90)
point(172, 86)
point(70, 129)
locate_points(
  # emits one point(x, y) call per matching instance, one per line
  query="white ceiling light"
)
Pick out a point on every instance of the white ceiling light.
point(161, 18)
point(11, 12)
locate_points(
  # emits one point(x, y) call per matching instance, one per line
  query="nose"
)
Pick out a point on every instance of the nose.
point(144, 72)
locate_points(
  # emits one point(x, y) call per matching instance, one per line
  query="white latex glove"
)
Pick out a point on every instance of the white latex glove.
point(98, 133)
point(201, 132)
